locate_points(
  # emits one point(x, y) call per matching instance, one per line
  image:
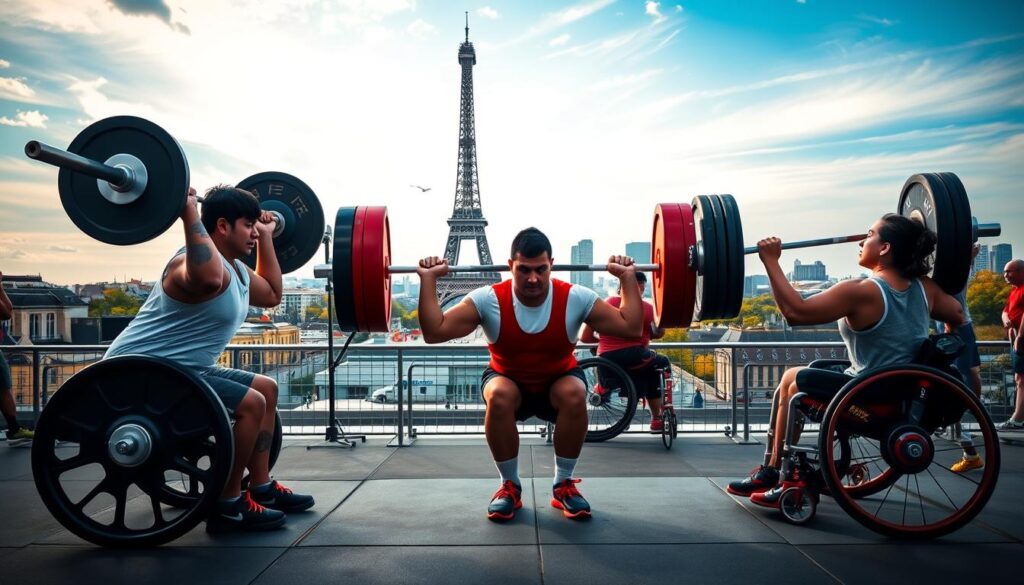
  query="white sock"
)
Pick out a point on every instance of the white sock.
point(564, 467)
point(509, 470)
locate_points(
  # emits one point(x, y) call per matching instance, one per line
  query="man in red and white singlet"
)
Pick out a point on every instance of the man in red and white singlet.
point(531, 323)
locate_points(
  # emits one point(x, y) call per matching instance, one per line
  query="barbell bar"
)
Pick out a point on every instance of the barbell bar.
point(697, 254)
point(123, 181)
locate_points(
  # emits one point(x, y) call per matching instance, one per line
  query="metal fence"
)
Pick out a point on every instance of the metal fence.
point(408, 390)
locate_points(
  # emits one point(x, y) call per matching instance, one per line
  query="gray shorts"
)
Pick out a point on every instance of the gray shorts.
point(5, 374)
point(230, 385)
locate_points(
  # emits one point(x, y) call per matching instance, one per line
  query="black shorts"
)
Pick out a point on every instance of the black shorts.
point(820, 385)
point(5, 374)
point(228, 384)
point(536, 404)
point(642, 365)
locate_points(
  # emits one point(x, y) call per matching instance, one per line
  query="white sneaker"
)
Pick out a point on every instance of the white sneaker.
point(1010, 425)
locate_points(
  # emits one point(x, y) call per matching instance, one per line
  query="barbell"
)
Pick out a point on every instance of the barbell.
point(124, 180)
point(697, 254)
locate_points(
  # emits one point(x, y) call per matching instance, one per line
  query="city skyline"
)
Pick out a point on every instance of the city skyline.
point(811, 114)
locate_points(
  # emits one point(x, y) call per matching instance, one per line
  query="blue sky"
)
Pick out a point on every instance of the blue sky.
point(812, 114)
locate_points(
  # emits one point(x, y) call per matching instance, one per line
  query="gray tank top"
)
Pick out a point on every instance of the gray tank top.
point(897, 336)
point(192, 335)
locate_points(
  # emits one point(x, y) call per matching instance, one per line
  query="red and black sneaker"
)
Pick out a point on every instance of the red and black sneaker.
point(567, 498)
point(761, 479)
point(505, 501)
point(770, 498)
point(243, 514)
point(276, 496)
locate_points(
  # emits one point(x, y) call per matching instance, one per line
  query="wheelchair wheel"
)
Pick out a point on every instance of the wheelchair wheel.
point(179, 491)
point(798, 505)
point(108, 438)
point(611, 398)
point(858, 462)
point(916, 495)
point(668, 427)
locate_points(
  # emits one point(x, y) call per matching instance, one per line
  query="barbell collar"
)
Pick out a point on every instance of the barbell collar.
point(988, 230)
point(504, 268)
point(119, 177)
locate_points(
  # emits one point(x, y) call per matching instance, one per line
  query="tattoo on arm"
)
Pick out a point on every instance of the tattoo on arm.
point(198, 254)
point(263, 442)
point(199, 228)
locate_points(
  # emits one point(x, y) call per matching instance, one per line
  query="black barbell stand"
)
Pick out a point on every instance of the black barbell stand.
point(334, 434)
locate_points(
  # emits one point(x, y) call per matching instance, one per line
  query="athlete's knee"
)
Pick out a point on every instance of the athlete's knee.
point(569, 393)
point(502, 399)
point(253, 405)
point(268, 388)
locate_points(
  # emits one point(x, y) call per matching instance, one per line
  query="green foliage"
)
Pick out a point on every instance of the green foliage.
point(114, 302)
point(986, 297)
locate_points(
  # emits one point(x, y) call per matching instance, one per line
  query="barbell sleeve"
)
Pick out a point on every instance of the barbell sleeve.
point(119, 178)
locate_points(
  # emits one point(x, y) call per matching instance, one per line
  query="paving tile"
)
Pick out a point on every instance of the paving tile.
point(15, 462)
point(909, 562)
point(409, 565)
point(832, 525)
point(659, 564)
point(60, 565)
point(329, 463)
point(25, 517)
point(655, 510)
point(424, 512)
point(327, 494)
point(428, 461)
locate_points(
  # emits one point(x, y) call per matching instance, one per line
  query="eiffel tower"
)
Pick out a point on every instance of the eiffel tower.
point(467, 221)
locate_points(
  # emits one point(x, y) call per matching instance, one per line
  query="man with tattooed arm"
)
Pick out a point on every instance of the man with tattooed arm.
point(189, 318)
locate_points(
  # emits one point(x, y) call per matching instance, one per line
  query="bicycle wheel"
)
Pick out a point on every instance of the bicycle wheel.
point(668, 428)
point(611, 398)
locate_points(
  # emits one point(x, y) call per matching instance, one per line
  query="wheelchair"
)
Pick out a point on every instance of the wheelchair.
point(880, 453)
point(134, 451)
point(612, 399)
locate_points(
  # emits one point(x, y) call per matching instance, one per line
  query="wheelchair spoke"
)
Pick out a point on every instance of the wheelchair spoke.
point(920, 500)
point(951, 503)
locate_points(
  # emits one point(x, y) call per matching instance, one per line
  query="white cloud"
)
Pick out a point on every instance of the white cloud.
point(59, 248)
point(488, 12)
point(652, 8)
point(15, 89)
point(31, 119)
point(801, 1)
point(4, 64)
point(11, 253)
point(559, 40)
point(421, 28)
point(679, 8)
point(620, 81)
point(877, 20)
point(555, 20)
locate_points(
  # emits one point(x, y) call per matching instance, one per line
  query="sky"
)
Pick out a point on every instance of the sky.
point(812, 114)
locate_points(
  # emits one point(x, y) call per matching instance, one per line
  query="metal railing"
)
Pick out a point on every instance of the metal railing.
point(409, 390)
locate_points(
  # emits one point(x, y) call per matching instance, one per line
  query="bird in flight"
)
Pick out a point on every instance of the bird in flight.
point(423, 189)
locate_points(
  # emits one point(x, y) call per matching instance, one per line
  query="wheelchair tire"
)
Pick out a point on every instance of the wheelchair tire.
point(899, 407)
point(668, 425)
point(611, 398)
point(798, 505)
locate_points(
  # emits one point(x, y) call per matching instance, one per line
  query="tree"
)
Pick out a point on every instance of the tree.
point(114, 302)
point(986, 297)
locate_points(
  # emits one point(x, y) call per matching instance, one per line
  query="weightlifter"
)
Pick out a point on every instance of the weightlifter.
point(531, 323)
point(883, 320)
point(202, 299)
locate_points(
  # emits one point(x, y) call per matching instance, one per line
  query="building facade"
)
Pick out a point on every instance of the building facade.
point(583, 253)
point(1001, 254)
point(813, 272)
point(640, 252)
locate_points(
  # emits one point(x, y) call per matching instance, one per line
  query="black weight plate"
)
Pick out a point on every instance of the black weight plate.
point(155, 210)
point(180, 415)
point(304, 225)
point(709, 280)
point(924, 198)
point(735, 258)
point(722, 277)
point(961, 267)
point(341, 269)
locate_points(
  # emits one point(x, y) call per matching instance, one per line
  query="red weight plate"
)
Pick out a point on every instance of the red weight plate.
point(667, 252)
point(358, 249)
point(688, 294)
point(376, 280)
